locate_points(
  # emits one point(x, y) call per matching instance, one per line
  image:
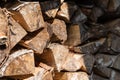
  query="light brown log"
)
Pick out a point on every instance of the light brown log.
point(49, 8)
point(29, 15)
point(43, 72)
point(38, 41)
point(59, 57)
point(16, 32)
point(66, 11)
point(20, 62)
point(59, 53)
point(59, 31)
point(71, 76)
point(4, 36)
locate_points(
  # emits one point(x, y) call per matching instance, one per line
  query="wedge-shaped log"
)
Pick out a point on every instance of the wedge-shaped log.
point(77, 34)
point(29, 15)
point(89, 48)
point(20, 62)
point(71, 76)
point(37, 41)
point(50, 8)
point(43, 72)
point(16, 32)
point(66, 11)
point(59, 31)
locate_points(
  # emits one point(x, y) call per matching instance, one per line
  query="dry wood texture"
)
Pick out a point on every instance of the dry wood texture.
point(59, 40)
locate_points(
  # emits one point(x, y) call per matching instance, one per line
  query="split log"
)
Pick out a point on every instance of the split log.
point(16, 33)
point(20, 62)
point(78, 17)
point(113, 5)
point(75, 62)
point(66, 11)
point(77, 34)
point(97, 77)
point(71, 76)
point(96, 13)
point(102, 3)
point(115, 75)
point(59, 57)
point(29, 15)
point(116, 64)
point(104, 59)
point(38, 40)
point(43, 72)
point(114, 42)
point(89, 48)
point(49, 8)
point(59, 31)
point(114, 26)
point(102, 71)
point(4, 36)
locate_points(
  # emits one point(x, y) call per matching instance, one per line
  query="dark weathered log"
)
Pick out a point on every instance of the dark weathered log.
point(29, 15)
point(89, 48)
point(102, 71)
point(116, 64)
point(97, 77)
point(115, 75)
point(78, 17)
point(104, 59)
point(113, 5)
point(49, 8)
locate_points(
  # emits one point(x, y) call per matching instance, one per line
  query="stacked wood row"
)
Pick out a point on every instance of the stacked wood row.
point(60, 40)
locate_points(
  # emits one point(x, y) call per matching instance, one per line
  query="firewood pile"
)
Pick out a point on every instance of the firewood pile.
point(60, 40)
